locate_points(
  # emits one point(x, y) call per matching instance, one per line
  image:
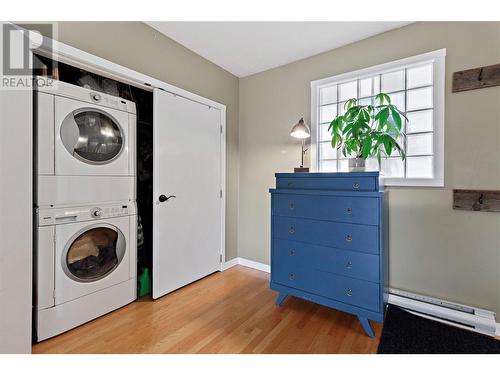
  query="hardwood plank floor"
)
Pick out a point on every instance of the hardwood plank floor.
point(227, 312)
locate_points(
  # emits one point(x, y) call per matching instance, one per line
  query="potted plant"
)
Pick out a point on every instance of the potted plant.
point(365, 131)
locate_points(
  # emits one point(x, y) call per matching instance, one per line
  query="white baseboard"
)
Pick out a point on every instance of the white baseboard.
point(230, 263)
point(247, 263)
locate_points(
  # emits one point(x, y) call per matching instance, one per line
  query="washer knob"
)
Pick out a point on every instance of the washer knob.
point(96, 212)
point(95, 97)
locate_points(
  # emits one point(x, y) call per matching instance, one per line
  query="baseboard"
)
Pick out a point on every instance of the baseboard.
point(230, 263)
point(247, 263)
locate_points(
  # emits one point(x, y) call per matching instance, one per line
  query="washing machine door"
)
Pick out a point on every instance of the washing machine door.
point(91, 256)
point(93, 253)
point(92, 136)
point(91, 140)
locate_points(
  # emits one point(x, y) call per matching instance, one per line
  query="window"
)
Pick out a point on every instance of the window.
point(416, 86)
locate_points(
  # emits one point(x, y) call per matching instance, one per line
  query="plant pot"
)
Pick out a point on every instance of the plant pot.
point(357, 165)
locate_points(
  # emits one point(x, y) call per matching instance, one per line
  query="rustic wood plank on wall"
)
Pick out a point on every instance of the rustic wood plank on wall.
point(477, 78)
point(476, 200)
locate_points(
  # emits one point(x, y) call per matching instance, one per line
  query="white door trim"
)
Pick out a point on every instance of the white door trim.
point(84, 60)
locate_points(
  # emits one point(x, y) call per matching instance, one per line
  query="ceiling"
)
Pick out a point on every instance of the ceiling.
point(245, 48)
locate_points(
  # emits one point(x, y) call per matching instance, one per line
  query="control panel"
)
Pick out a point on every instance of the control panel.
point(64, 215)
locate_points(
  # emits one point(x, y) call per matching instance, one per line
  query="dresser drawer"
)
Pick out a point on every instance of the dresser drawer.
point(355, 292)
point(341, 262)
point(315, 181)
point(362, 210)
point(356, 237)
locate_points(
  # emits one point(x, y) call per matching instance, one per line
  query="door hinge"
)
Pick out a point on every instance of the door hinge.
point(220, 257)
point(221, 129)
point(220, 193)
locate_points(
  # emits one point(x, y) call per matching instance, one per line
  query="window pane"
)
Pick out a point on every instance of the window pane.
point(420, 121)
point(344, 165)
point(419, 167)
point(419, 98)
point(420, 76)
point(393, 167)
point(328, 95)
point(371, 164)
point(365, 101)
point(419, 144)
point(328, 166)
point(365, 87)
point(348, 90)
point(394, 81)
point(326, 151)
point(327, 113)
point(398, 100)
point(324, 134)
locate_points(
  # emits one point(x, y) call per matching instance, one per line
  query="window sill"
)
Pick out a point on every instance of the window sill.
point(412, 182)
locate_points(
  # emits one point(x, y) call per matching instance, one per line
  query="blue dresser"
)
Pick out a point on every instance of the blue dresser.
point(327, 241)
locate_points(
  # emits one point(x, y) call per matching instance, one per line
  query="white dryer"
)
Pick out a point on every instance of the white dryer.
point(86, 143)
point(86, 264)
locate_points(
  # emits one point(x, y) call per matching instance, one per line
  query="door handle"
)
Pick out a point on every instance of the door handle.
point(163, 198)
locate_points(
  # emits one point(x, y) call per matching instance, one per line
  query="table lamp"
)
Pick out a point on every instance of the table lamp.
point(301, 131)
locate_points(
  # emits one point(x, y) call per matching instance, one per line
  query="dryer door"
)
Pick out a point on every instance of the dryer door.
point(92, 140)
point(92, 136)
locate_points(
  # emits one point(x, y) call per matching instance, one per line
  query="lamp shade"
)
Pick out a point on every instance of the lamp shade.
point(300, 130)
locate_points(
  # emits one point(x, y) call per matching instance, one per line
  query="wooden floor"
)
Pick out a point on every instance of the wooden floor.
point(227, 312)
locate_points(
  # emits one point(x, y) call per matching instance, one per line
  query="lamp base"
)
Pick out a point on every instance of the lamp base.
point(300, 169)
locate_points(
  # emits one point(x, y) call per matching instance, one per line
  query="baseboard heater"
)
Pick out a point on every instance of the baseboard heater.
point(462, 316)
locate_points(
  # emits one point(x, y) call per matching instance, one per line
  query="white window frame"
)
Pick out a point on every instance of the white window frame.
point(438, 59)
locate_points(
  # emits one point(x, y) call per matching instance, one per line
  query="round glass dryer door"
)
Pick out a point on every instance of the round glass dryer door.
point(92, 136)
point(93, 253)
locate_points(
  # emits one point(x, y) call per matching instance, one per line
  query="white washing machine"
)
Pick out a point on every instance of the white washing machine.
point(86, 143)
point(86, 264)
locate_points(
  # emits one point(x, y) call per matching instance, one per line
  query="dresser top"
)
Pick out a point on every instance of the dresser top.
point(329, 174)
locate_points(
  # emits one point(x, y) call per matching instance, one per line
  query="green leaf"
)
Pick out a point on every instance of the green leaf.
point(367, 147)
point(350, 103)
point(396, 117)
point(336, 140)
point(382, 117)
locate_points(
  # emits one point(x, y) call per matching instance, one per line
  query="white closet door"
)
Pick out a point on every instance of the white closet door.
point(186, 193)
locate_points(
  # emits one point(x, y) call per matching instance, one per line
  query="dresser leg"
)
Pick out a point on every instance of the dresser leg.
point(280, 298)
point(366, 326)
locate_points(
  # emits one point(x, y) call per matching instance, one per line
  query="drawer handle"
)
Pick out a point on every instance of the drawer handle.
point(349, 265)
point(291, 230)
point(291, 206)
point(355, 185)
point(349, 292)
point(349, 210)
point(348, 238)
point(291, 276)
point(290, 184)
point(291, 253)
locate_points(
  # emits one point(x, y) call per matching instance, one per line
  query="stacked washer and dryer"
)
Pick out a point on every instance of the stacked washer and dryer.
point(86, 248)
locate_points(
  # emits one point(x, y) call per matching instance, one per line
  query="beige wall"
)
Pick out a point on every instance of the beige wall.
point(434, 250)
point(140, 47)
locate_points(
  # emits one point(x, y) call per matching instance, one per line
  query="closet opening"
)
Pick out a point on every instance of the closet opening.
point(144, 153)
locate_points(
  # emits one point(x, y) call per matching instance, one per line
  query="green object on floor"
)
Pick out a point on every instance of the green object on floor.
point(143, 282)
